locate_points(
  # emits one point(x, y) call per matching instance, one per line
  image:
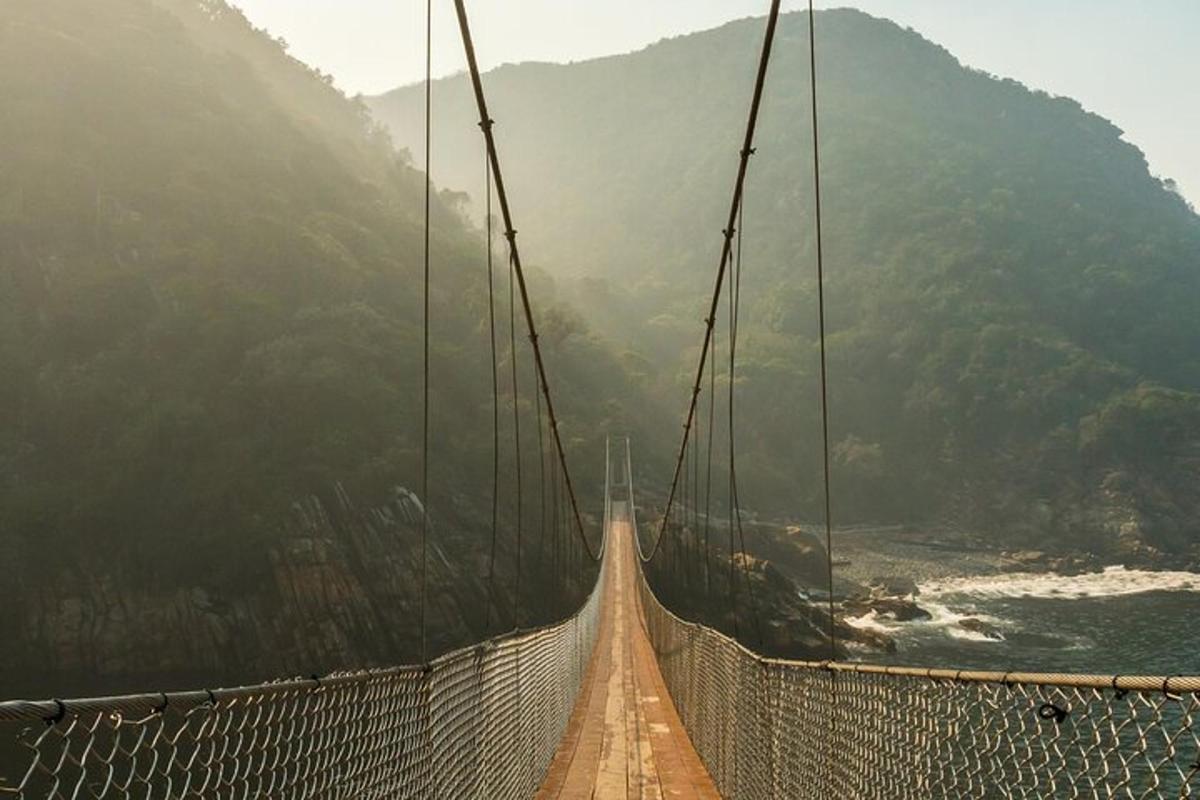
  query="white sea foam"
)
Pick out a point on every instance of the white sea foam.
point(952, 601)
point(942, 619)
point(1112, 582)
point(871, 622)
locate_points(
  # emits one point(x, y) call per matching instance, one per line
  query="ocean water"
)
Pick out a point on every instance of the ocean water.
point(1119, 621)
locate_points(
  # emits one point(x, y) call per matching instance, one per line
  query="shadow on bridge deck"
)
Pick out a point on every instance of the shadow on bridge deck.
point(625, 739)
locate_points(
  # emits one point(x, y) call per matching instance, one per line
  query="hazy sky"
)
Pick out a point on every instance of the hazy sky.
point(1137, 63)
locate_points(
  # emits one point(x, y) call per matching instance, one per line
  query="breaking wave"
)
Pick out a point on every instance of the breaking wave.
point(965, 608)
point(942, 618)
point(1112, 582)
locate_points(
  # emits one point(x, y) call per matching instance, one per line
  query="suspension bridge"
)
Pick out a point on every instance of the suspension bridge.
point(622, 699)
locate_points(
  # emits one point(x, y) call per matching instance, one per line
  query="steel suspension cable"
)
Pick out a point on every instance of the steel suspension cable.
point(736, 264)
point(541, 481)
point(555, 534)
point(425, 329)
point(816, 153)
point(693, 550)
point(816, 156)
point(739, 184)
point(684, 505)
point(495, 399)
point(486, 123)
point(729, 427)
point(516, 398)
point(735, 304)
point(681, 519)
point(712, 413)
point(681, 540)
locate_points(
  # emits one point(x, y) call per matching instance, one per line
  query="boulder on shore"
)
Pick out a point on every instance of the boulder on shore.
point(900, 609)
point(975, 625)
point(875, 640)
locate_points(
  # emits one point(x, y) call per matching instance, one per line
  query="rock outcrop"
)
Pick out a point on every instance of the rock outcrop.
point(337, 591)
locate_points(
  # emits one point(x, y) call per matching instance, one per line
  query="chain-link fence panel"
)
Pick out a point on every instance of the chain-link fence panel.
point(480, 722)
point(768, 728)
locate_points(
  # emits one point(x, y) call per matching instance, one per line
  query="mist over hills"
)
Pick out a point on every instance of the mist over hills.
point(1014, 344)
point(210, 310)
point(210, 366)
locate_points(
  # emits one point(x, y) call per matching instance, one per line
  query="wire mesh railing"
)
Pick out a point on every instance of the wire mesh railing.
point(483, 721)
point(768, 728)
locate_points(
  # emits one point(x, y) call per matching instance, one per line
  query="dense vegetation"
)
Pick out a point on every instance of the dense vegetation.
point(210, 309)
point(1014, 340)
point(210, 324)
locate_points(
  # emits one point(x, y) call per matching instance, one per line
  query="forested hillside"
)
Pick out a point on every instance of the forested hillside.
point(1015, 346)
point(210, 326)
point(210, 365)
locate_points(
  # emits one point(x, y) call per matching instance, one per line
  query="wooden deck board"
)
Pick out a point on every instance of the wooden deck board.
point(625, 739)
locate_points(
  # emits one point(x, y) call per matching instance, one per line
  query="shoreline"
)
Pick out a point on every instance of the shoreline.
point(914, 555)
point(899, 587)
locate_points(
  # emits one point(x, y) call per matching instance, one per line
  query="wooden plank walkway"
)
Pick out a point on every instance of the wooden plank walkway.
point(625, 739)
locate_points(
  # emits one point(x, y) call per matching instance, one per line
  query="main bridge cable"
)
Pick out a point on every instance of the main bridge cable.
point(541, 440)
point(516, 399)
point(735, 504)
point(486, 123)
point(812, 55)
point(425, 328)
point(816, 153)
point(726, 252)
point(491, 270)
point(712, 405)
point(692, 549)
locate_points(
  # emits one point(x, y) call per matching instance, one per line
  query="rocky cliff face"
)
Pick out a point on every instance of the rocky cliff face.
point(1104, 515)
point(339, 591)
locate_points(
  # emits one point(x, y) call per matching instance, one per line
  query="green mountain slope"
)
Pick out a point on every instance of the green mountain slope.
point(1015, 346)
point(210, 365)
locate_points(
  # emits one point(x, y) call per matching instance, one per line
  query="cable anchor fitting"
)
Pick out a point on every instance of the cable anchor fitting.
point(60, 715)
point(1049, 711)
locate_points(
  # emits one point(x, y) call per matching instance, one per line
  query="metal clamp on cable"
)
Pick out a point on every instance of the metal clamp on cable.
point(60, 715)
point(1049, 711)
